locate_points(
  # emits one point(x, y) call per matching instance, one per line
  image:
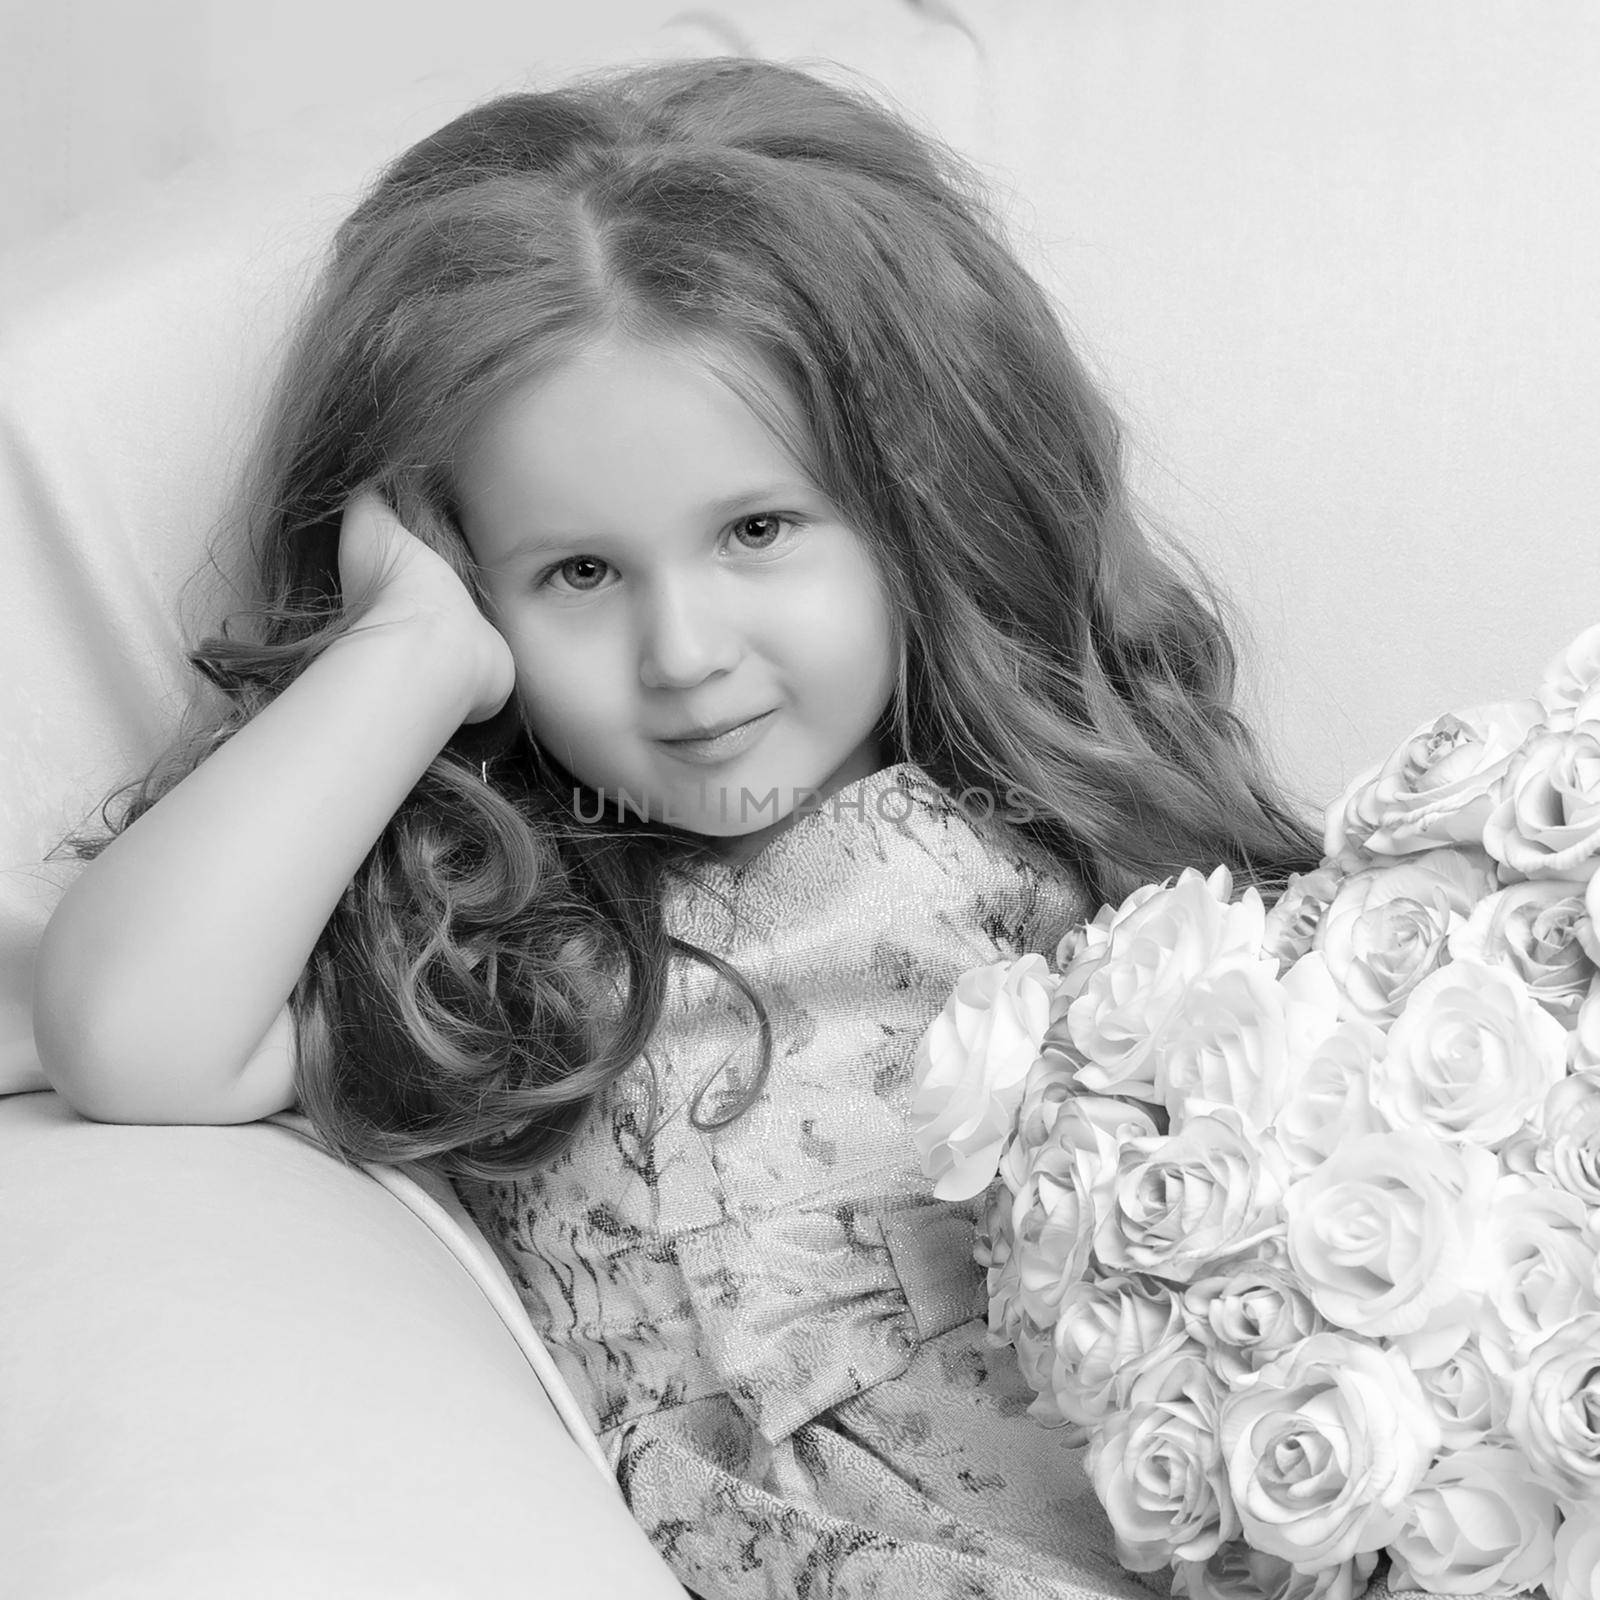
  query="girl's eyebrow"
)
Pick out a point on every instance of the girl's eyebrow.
point(772, 496)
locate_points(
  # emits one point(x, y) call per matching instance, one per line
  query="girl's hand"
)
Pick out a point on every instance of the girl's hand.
point(397, 580)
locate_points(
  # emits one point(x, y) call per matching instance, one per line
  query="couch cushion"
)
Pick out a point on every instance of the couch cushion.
point(230, 1365)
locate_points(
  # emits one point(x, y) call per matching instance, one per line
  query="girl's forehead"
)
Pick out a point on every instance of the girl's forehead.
point(745, 372)
point(624, 386)
point(626, 430)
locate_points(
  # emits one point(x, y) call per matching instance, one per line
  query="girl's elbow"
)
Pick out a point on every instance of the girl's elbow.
point(97, 1075)
point(71, 1028)
point(107, 1087)
point(108, 1068)
point(87, 1080)
point(64, 1036)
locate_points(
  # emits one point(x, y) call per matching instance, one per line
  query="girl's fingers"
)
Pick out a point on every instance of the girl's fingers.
point(388, 572)
point(376, 550)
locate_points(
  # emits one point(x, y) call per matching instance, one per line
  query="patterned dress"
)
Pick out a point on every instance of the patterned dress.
point(779, 1334)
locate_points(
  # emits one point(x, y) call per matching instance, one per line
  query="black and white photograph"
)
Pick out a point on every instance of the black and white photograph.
point(800, 800)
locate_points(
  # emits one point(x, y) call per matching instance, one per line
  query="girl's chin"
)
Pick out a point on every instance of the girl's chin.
point(731, 813)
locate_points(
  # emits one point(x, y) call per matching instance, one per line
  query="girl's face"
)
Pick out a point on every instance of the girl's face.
point(697, 634)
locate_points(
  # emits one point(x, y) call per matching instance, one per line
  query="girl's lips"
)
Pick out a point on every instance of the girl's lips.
point(720, 747)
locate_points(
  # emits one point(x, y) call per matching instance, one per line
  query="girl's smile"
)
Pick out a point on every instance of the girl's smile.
point(698, 634)
point(720, 743)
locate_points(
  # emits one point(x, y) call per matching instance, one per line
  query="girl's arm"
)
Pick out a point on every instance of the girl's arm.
point(162, 980)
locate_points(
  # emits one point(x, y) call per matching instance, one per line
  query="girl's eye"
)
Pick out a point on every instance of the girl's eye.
point(760, 532)
point(582, 574)
point(585, 574)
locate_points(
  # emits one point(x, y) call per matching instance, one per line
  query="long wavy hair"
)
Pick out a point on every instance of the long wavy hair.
point(497, 963)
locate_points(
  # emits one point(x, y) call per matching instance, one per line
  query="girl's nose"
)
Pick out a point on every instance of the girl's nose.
point(686, 635)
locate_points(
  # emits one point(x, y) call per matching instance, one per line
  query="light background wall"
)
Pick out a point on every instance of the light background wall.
point(1336, 262)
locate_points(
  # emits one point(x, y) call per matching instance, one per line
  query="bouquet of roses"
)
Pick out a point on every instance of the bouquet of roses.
point(1297, 1219)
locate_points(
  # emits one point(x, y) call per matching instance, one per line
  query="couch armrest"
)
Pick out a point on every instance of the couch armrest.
point(230, 1364)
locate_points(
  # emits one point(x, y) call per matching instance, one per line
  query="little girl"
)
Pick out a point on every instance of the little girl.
point(700, 614)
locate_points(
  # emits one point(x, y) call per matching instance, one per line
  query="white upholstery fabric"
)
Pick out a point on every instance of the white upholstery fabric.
point(230, 1365)
point(129, 367)
point(436, 1205)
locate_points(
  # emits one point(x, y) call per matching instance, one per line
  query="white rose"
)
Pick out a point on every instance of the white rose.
point(1538, 1267)
point(1154, 956)
point(1037, 1360)
point(1081, 949)
point(1470, 1058)
point(1583, 1048)
point(1387, 928)
point(1236, 1572)
point(1520, 1153)
point(1179, 1205)
point(994, 1251)
point(1384, 1236)
point(1328, 1101)
point(1109, 1330)
point(1325, 1449)
point(1546, 823)
point(1246, 1315)
point(1576, 1572)
point(1157, 1468)
point(970, 1068)
point(1569, 1152)
point(1062, 1195)
point(1292, 922)
point(1243, 1036)
point(1555, 1407)
point(1436, 789)
point(1466, 1396)
point(1050, 1083)
point(1571, 677)
point(1476, 1525)
point(1532, 928)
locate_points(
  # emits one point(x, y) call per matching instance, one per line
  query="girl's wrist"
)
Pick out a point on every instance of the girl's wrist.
point(436, 660)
